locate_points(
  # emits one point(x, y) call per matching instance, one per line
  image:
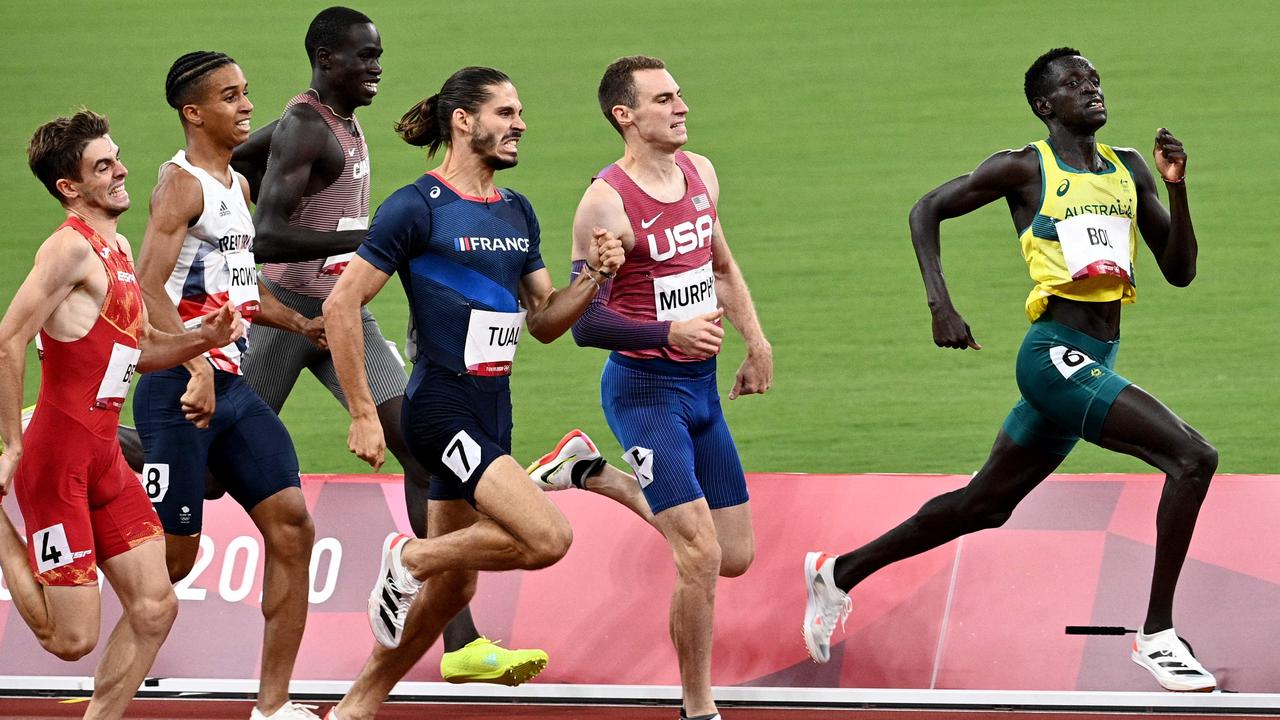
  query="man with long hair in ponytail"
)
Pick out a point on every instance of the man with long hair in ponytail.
point(468, 256)
point(312, 212)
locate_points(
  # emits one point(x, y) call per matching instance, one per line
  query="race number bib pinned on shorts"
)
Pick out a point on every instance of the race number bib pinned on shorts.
point(115, 381)
point(335, 264)
point(1096, 245)
point(51, 548)
point(1068, 360)
point(492, 338)
point(243, 288)
point(685, 295)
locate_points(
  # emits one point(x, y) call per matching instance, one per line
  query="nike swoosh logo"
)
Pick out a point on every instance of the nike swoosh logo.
point(644, 224)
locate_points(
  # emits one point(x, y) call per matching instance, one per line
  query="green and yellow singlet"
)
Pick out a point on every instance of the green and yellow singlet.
point(1083, 240)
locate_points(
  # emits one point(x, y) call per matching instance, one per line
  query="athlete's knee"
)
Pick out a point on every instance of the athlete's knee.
point(151, 617)
point(699, 556)
point(1198, 462)
point(180, 563)
point(969, 512)
point(68, 645)
point(735, 561)
point(735, 564)
point(292, 536)
point(546, 548)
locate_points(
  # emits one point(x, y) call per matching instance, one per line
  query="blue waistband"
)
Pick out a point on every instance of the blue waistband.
point(663, 366)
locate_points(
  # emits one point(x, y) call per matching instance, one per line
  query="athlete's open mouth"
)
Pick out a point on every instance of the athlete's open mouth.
point(118, 192)
point(372, 86)
point(243, 125)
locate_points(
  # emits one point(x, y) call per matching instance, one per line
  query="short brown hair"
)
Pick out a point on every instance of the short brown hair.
point(618, 86)
point(57, 147)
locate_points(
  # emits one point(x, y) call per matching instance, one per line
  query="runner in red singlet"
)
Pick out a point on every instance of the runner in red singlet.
point(82, 506)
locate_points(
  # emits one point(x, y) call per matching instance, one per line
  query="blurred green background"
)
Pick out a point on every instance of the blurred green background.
point(826, 121)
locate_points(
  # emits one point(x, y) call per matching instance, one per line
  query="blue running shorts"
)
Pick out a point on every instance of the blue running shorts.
point(667, 417)
point(245, 446)
point(456, 426)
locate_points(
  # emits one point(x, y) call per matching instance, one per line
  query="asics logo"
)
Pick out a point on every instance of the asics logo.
point(645, 224)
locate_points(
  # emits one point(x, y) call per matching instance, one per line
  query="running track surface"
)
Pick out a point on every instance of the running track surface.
point(42, 708)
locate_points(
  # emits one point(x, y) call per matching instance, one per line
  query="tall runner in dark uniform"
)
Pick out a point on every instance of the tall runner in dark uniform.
point(467, 254)
point(1079, 206)
point(661, 317)
point(82, 506)
point(313, 208)
point(198, 251)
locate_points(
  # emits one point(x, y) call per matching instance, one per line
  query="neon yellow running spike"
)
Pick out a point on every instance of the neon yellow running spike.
point(483, 660)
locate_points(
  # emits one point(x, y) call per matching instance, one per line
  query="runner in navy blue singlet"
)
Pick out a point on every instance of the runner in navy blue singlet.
point(467, 256)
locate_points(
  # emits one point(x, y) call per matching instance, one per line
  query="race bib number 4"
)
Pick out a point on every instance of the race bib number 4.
point(335, 264)
point(243, 288)
point(492, 338)
point(1096, 245)
point(685, 295)
point(115, 381)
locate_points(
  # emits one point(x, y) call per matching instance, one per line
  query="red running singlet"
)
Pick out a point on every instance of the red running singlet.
point(80, 502)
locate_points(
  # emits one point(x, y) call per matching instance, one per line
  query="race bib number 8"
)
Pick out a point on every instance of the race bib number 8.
point(1096, 245)
point(115, 381)
point(492, 338)
point(685, 295)
point(155, 480)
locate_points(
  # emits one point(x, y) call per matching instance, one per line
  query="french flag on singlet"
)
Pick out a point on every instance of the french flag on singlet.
point(667, 274)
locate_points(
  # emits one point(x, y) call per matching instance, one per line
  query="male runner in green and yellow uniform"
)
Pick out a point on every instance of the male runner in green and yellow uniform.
point(1080, 205)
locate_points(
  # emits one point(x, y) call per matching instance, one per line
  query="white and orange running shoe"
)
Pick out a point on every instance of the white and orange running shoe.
point(573, 459)
point(826, 606)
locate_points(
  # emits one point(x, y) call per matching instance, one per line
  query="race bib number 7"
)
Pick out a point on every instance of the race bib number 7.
point(1096, 245)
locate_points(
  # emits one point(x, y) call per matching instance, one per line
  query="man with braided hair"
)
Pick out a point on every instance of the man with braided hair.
point(82, 507)
point(310, 174)
point(199, 252)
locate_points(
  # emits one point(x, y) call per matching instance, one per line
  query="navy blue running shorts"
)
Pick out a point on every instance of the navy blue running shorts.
point(668, 419)
point(245, 446)
point(456, 426)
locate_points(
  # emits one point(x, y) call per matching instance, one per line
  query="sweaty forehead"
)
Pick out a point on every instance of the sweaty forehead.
point(1075, 62)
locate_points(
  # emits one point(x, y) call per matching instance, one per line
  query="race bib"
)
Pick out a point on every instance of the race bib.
point(685, 295)
point(335, 264)
point(1096, 245)
point(491, 342)
point(243, 290)
point(115, 381)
